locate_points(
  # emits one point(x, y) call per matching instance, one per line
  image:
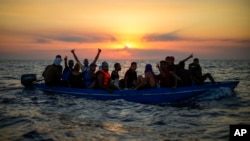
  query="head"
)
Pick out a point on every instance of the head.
point(86, 62)
point(163, 64)
point(77, 67)
point(167, 59)
point(105, 66)
point(117, 66)
point(71, 63)
point(196, 60)
point(148, 67)
point(93, 67)
point(57, 60)
point(133, 66)
point(170, 60)
point(182, 64)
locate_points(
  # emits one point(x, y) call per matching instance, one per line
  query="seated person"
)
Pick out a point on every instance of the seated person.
point(115, 78)
point(172, 70)
point(75, 78)
point(164, 76)
point(184, 74)
point(89, 76)
point(68, 69)
point(196, 73)
point(149, 81)
point(53, 73)
point(130, 77)
point(103, 79)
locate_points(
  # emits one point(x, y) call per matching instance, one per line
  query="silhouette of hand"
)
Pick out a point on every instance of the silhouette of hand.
point(99, 50)
point(73, 50)
point(191, 56)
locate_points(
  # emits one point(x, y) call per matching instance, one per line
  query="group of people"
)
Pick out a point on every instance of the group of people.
point(78, 75)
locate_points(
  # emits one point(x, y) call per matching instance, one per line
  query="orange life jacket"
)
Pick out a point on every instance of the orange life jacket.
point(106, 77)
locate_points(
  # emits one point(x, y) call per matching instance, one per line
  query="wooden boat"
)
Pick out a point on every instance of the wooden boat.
point(147, 96)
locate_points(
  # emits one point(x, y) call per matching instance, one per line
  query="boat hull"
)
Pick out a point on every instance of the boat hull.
point(147, 96)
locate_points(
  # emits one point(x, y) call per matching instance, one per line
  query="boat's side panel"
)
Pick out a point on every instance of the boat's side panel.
point(153, 96)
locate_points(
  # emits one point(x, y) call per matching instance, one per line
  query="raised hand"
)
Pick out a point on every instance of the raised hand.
point(99, 50)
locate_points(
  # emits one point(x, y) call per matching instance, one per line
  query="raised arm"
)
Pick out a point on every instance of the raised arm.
point(97, 55)
point(65, 62)
point(190, 56)
point(76, 58)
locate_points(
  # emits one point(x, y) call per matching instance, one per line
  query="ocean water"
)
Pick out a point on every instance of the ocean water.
point(27, 114)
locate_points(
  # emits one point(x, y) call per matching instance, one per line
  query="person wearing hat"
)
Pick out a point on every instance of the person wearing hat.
point(53, 73)
point(103, 79)
point(149, 81)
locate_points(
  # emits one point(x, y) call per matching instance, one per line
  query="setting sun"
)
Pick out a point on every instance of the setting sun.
point(127, 45)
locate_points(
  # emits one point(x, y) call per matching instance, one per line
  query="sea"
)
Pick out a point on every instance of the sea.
point(33, 115)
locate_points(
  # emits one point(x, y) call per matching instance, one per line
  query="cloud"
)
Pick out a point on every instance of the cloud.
point(172, 36)
point(42, 40)
point(85, 38)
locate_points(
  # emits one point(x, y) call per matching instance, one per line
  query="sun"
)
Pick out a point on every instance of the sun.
point(127, 45)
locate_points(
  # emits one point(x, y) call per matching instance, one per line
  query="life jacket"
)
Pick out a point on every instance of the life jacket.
point(106, 76)
point(66, 74)
point(88, 80)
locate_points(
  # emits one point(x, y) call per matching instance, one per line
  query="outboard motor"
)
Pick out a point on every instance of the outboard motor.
point(28, 79)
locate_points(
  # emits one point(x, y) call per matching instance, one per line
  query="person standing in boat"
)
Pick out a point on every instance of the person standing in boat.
point(103, 79)
point(196, 73)
point(53, 73)
point(76, 78)
point(149, 81)
point(68, 69)
point(130, 77)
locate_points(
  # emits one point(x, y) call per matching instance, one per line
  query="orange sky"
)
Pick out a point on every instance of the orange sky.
point(143, 29)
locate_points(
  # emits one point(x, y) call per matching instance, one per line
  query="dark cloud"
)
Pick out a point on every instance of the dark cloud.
point(86, 38)
point(172, 36)
point(42, 40)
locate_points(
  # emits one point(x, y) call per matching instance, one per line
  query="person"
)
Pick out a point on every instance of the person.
point(103, 79)
point(68, 69)
point(115, 78)
point(183, 73)
point(196, 73)
point(76, 78)
point(85, 65)
point(53, 73)
point(172, 70)
point(89, 76)
point(149, 81)
point(164, 76)
point(130, 77)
